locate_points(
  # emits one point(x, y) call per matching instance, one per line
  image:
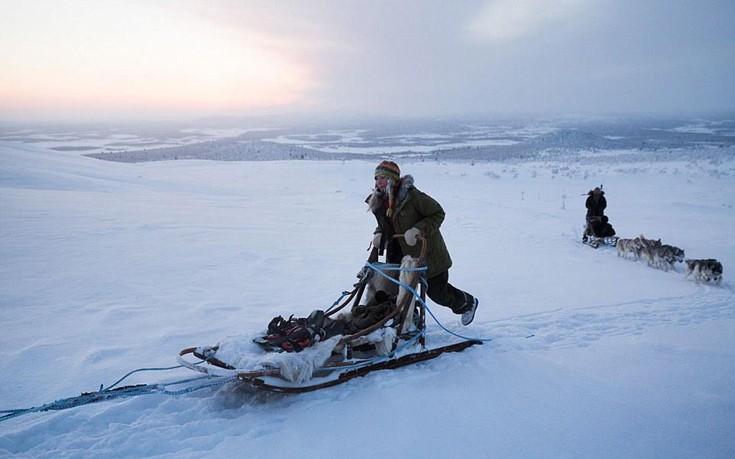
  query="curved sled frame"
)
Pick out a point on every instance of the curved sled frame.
point(335, 373)
point(267, 379)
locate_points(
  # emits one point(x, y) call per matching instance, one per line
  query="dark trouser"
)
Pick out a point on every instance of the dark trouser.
point(443, 293)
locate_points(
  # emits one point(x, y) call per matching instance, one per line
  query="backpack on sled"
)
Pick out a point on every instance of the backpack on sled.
point(296, 334)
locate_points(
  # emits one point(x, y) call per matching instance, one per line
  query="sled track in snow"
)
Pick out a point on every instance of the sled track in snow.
point(573, 328)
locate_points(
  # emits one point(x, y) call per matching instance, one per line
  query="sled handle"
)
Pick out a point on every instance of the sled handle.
point(420, 238)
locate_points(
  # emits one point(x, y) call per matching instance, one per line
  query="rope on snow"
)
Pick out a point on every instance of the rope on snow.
point(123, 392)
point(104, 394)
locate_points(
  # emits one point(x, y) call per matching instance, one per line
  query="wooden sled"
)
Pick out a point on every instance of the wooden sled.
point(329, 375)
point(396, 340)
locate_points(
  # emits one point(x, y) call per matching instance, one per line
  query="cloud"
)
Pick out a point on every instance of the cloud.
point(382, 57)
point(501, 21)
point(72, 55)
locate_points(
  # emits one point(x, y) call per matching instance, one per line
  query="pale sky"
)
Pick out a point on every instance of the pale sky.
point(93, 59)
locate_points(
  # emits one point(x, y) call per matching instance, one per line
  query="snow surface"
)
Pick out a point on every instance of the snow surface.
point(109, 267)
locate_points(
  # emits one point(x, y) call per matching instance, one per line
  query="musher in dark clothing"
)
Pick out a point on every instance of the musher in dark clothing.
point(596, 203)
point(597, 221)
point(400, 208)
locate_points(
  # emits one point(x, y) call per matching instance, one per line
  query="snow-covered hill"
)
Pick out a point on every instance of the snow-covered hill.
point(109, 267)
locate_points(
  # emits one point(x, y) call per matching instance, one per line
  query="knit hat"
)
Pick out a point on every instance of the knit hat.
point(389, 170)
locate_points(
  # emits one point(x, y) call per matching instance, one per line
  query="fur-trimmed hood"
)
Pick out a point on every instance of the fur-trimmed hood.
point(404, 185)
point(412, 208)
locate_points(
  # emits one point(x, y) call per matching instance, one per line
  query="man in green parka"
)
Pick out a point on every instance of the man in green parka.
point(400, 208)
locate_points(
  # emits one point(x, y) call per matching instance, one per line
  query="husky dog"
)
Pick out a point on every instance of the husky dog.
point(648, 248)
point(664, 256)
point(626, 246)
point(705, 270)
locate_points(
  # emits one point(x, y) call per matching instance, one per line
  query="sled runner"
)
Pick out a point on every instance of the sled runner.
point(384, 328)
point(598, 231)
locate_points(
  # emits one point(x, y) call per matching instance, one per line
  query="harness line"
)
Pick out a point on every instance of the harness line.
point(209, 381)
point(122, 392)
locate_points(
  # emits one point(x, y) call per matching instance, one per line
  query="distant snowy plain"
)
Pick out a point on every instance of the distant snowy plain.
point(109, 267)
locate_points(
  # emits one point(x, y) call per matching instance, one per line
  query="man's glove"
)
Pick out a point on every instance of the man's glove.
point(411, 235)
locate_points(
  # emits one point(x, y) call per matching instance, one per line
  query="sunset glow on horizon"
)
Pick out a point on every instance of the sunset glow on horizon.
point(137, 58)
point(191, 58)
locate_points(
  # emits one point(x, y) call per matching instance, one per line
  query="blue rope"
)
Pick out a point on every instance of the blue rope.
point(344, 294)
point(217, 381)
point(141, 369)
point(131, 391)
point(379, 269)
point(213, 380)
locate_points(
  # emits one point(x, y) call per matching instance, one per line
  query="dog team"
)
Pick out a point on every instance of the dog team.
point(664, 256)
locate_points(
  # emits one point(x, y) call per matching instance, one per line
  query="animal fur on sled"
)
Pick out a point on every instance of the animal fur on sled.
point(382, 294)
point(380, 282)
